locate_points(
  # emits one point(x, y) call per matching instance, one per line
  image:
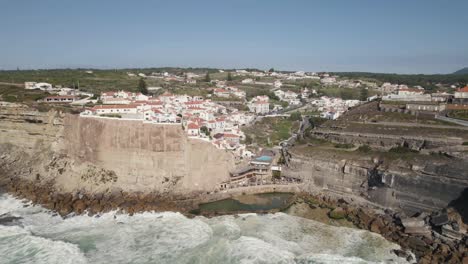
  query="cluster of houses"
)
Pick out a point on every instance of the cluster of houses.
point(259, 105)
point(417, 100)
point(227, 92)
point(294, 98)
point(59, 94)
point(202, 119)
point(188, 77)
point(332, 108)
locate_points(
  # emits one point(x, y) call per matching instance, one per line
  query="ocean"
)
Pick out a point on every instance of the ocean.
point(41, 236)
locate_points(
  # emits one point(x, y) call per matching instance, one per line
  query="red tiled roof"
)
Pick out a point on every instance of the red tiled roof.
point(220, 90)
point(463, 90)
point(231, 135)
point(193, 126)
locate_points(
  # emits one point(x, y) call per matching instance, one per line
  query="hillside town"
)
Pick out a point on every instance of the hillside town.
point(209, 118)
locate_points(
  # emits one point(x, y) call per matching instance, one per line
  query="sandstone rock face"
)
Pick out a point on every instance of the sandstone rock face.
point(91, 155)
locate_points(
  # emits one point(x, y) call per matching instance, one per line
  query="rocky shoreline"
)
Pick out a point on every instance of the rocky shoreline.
point(430, 247)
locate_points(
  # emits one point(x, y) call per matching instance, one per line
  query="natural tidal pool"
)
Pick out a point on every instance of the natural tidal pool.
point(40, 236)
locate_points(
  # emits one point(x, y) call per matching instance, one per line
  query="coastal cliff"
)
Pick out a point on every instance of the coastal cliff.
point(97, 155)
point(424, 184)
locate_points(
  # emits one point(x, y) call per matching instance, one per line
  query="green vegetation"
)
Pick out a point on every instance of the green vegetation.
point(205, 130)
point(316, 121)
point(296, 116)
point(427, 81)
point(270, 131)
point(229, 77)
point(460, 114)
point(462, 71)
point(346, 93)
point(337, 214)
point(142, 87)
point(465, 143)
point(364, 94)
point(207, 77)
point(10, 93)
point(344, 146)
point(402, 150)
point(364, 149)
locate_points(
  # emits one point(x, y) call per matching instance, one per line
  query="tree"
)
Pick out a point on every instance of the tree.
point(142, 87)
point(363, 94)
point(296, 116)
point(229, 77)
point(271, 70)
point(205, 130)
point(207, 77)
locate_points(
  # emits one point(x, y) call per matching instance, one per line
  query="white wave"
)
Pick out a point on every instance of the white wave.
point(250, 250)
point(44, 237)
point(19, 246)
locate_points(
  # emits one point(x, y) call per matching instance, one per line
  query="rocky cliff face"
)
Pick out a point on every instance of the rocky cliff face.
point(421, 185)
point(90, 155)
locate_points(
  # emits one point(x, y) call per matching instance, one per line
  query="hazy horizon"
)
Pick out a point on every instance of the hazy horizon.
point(335, 36)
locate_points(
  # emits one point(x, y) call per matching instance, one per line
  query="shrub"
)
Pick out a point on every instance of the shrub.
point(364, 149)
point(344, 146)
point(10, 98)
point(402, 150)
point(465, 143)
point(337, 213)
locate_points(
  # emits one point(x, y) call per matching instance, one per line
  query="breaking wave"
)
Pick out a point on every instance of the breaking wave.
point(41, 236)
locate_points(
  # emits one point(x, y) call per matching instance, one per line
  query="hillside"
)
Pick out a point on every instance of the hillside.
point(462, 71)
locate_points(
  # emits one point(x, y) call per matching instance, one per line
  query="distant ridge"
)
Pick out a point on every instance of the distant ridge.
point(462, 71)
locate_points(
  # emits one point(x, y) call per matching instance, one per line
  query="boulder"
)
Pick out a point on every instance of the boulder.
point(376, 225)
point(465, 260)
point(440, 219)
point(401, 253)
point(417, 245)
point(79, 206)
point(65, 209)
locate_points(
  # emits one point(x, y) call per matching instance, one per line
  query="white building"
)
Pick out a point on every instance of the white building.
point(462, 93)
point(277, 84)
point(328, 80)
point(407, 94)
point(35, 85)
point(259, 104)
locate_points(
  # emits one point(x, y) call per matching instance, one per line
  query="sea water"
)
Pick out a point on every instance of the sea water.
point(40, 236)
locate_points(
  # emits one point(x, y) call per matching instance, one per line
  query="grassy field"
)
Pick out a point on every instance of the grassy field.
point(270, 131)
point(12, 94)
point(460, 114)
point(315, 147)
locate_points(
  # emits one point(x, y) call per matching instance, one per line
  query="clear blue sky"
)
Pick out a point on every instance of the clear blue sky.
point(404, 36)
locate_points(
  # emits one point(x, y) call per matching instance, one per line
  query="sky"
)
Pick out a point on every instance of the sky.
point(397, 36)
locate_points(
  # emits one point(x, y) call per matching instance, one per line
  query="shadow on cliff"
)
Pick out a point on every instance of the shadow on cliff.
point(461, 205)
